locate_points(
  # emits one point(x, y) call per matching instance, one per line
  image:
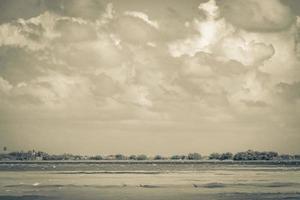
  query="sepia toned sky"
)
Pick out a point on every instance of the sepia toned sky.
point(138, 76)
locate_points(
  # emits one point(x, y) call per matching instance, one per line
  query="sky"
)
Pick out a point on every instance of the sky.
point(153, 77)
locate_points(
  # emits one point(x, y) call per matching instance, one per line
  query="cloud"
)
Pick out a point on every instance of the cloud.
point(75, 31)
point(254, 103)
point(5, 86)
point(134, 30)
point(209, 33)
point(257, 15)
point(104, 86)
point(217, 36)
point(10, 10)
point(204, 65)
point(298, 37)
point(290, 92)
point(18, 64)
point(210, 9)
point(248, 53)
point(34, 33)
point(143, 17)
point(110, 69)
point(89, 9)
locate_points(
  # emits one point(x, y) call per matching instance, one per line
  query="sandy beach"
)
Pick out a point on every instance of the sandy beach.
point(112, 181)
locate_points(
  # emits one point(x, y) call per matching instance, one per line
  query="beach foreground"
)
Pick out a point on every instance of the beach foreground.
point(114, 181)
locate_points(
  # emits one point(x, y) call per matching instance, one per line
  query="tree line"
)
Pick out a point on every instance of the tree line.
point(239, 156)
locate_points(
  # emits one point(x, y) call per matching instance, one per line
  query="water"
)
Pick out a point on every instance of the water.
point(174, 181)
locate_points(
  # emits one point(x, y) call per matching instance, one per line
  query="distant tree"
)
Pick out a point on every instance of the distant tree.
point(226, 156)
point(176, 157)
point(158, 157)
point(255, 155)
point(251, 155)
point(272, 155)
point(240, 156)
point(297, 157)
point(98, 157)
point(245, 155)
point(214, 156)
point(142, 157)
point(194, 156)
point(120, 157)
point(286, 157)
point(132, 157)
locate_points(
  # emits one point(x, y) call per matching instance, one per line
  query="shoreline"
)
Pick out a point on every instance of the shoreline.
point(256, 162)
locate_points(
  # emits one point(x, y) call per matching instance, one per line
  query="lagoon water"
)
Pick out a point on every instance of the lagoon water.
point(149, 181)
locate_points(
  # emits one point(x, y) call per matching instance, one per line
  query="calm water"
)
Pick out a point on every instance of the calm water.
point(91, 181)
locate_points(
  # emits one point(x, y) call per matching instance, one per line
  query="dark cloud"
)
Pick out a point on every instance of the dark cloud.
point(25, 100)
point(254, 103)
point(72, 31)
point(19, 65)
point(34, 32)
point(289, 91)
point(256, 15)
point(14, 9)
point(87, 9)
point(104, 86)
point(293, 4)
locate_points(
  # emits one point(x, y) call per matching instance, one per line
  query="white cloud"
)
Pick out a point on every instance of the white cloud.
point(221, 38)
point(18, 33)
point(211, 30)
point(143, 17)
point(248, 53)
point(210, 8)
point(109, 11)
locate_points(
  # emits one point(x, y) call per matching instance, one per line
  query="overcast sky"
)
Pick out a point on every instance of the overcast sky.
point(139, 76)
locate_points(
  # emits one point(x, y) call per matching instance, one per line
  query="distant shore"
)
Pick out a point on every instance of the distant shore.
point(249, 155)
point(267, 162)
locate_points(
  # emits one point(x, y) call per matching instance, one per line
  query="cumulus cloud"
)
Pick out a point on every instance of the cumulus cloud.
point(110, 69)
point(248, 53)
point(216, 35)
point(257, 15)
point(34, 33)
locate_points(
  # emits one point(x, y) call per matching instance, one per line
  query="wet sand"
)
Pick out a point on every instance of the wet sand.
point(148, 181)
